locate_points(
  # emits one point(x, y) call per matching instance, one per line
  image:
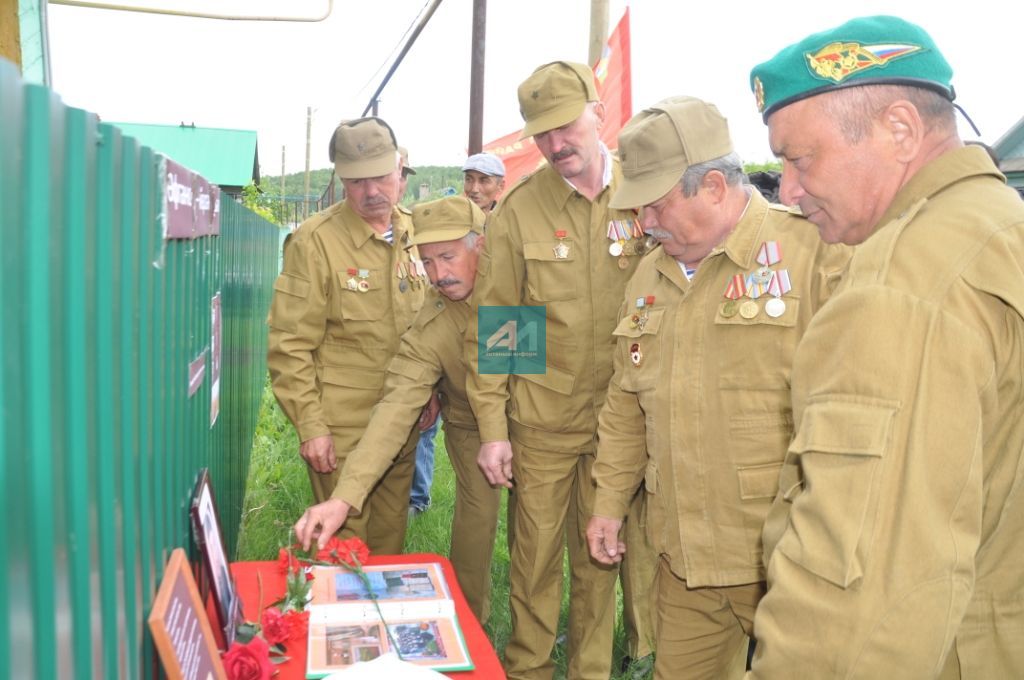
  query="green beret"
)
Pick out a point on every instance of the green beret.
point(864, 51)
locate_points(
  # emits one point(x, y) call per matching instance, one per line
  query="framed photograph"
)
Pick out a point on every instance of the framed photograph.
point(181, 632)
point(208, 537)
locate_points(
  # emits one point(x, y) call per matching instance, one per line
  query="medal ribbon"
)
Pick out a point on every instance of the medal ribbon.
point(769, 254)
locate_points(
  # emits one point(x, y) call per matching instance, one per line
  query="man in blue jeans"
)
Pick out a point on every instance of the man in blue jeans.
point(423, 476)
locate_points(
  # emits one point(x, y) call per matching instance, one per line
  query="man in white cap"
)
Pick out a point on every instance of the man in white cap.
point(484, 179)
point(347, 291)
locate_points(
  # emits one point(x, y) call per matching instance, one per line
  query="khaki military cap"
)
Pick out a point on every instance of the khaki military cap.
point(658, 144)
point(555, 95)
point(364, 147)
point(446, 219)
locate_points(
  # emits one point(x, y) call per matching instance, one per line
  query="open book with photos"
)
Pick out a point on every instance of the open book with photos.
point(415, 603)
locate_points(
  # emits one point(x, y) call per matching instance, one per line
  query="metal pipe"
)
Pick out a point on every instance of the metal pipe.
point(197, 15)
point(476, 77)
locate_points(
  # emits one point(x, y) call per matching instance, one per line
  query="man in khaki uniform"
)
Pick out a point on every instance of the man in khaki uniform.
point(894, 547)
point(553, 242)
point(483, 179)
point(704, 346)
point(449, 236)
point(347, 291)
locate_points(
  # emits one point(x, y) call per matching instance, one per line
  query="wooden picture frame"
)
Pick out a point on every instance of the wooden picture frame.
point(185, 648)
point(210, 541)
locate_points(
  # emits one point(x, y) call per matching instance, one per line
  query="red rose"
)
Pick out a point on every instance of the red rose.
point(298, 624)
point(248, 662)
point(329, 553)
point(286, 561)
point(353, 552)
point(275, 626)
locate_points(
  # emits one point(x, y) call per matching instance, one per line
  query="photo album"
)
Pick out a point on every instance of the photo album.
point(345, 626)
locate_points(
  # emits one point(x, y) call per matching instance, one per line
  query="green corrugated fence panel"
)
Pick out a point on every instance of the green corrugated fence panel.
point(100, 441)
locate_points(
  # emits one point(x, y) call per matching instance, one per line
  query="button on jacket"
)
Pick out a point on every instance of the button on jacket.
point(899, 532)
point(699, 403)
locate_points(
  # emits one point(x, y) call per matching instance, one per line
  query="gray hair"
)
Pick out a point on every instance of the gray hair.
point(854, 109)
point(469, 240)
point(729, 165)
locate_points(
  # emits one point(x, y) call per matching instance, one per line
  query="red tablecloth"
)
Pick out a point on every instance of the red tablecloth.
point(488, 667)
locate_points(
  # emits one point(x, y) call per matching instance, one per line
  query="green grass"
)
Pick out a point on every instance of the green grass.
point(278, 492)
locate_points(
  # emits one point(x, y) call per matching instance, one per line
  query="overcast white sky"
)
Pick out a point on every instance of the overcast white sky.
point(261, 76)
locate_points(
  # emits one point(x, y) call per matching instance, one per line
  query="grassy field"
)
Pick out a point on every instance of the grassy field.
point(278, 492)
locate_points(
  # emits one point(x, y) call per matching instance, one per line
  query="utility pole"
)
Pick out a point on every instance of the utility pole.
point(476, 77)
point(283, 213)
point(305, 191)
point(598, 29)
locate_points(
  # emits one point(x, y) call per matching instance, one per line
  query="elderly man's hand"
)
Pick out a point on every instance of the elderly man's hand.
point(603, 540)
point(495, 461)
point(321, 521)
point(318, 452)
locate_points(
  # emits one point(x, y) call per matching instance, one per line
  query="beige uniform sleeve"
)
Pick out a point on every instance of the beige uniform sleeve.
point(411, 376)
point(879, 516)
point(499, 281)
point(298, 320)
point(622, 451)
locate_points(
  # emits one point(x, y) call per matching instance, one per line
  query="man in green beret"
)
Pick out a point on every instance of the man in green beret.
point(698, 407)
point(894, 544)
point(449, 236)
point(347, 291)
point(555, 245)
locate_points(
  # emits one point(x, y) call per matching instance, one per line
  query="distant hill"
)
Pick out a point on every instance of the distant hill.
point(438, 180)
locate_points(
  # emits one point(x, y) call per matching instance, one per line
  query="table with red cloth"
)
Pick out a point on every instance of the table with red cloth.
point(487, 665)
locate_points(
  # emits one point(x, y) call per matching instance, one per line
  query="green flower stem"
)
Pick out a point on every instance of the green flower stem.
point(373, 596)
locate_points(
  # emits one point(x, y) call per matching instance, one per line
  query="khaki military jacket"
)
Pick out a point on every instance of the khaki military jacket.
point(580, 292)
point(899, 533)
point(431, 353)
point(706, 388)
point(338, 311)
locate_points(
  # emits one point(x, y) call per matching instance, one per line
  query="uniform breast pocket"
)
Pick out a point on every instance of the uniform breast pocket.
point(638, 339)
point(363, 298)
point(549, 277)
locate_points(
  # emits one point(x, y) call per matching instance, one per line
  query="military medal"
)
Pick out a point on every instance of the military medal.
point(621, 233)
point(749, 309)
point(353, 282)
point(363, 285)
point(634, 354)
point(561, 250)
point(778, 286)
point(769, 253)
point(640, 317)
point(401, 273)
point(730, 308)
point(734, 290)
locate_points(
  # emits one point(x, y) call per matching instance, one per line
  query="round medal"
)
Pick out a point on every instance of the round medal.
point(730, 308)
point(403, 285)
point(364, 285)
point(749, 309)
point(623, 262)
point(775, 307)
point(615, 248)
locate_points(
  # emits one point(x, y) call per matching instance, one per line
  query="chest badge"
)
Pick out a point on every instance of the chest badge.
point(561, 250)
point(635, 355)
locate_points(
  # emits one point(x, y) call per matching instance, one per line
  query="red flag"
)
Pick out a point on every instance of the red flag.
point(614, 88)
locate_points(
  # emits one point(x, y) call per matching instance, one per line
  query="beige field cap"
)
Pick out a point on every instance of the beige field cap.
point(555, 95)
point(445, 219)
point(406, 168)
point(658, 144)
point(363, 147)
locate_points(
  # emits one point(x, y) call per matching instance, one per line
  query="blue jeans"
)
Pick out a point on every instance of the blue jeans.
point(423, 476)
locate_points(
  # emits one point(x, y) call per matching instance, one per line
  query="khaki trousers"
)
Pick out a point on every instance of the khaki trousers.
point(639, 569)
point(554, 498)
point(475, 521)
point(385, 513)
point(702, 632)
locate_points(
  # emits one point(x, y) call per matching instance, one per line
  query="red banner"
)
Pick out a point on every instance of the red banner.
point(614, 88)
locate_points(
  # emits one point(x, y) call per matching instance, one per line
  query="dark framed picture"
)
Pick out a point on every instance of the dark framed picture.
point(181, 632)
point(210, 540)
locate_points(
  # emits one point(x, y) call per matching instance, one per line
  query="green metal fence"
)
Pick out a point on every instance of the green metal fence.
point(100, 440)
